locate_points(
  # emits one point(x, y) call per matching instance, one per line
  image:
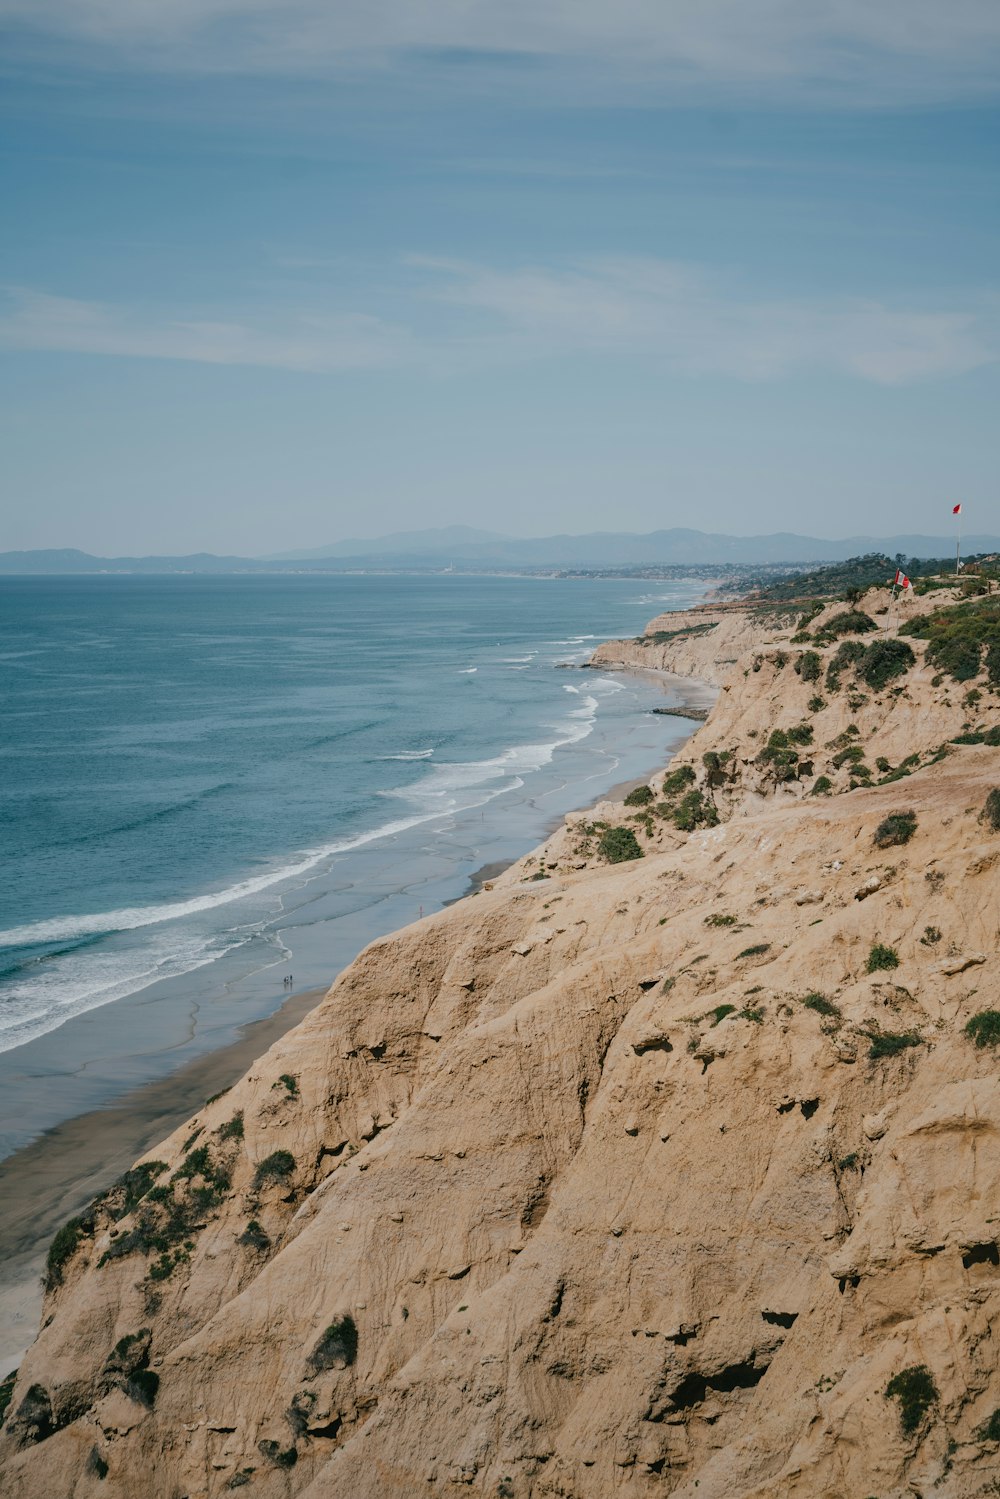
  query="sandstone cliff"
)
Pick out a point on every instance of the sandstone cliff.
point(638, 1178)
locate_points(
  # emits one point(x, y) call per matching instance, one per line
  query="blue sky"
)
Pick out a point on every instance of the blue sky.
point(275, 275)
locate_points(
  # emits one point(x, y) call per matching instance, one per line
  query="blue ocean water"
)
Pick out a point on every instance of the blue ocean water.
point(195, 768)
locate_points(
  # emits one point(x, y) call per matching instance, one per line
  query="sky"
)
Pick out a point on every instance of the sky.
point(276, 274)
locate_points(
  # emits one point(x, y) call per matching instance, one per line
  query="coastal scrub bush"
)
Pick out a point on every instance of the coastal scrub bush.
point(916, 1392)
point(720, 1012)
point(617, 845)
point(254, 1237)
point(851, 622)
point(891, 1043)
point(984, 1028)
point(233, 1128)
point(61, 1251)
point(990, 1429)
point(821, 1005)
point(883, 660)
point(881, 957)
point(816, 704)
point(282, 1458)
point(641, 796)
point(6, 1393)
point(848, 654)
point(897, 828)
point(718, 919)
point(142, 1387)
point(808, 666)
point(779, 755)
point(800, 733)
point(124, 1195)
point(853, 754)
point(338, 1346)
point(279, 1164)
point(756, 951)
point(980, 736)
point(675, 781)
point(822, 786)
point(289, 1083)
point(990, 814)
point(695, 810)
point(957, 636)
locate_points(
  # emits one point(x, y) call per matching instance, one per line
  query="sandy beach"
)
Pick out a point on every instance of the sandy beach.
point(53, 1176)
point(49, 1180)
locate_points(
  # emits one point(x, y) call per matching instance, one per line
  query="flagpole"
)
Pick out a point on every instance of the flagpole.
point(958, 544)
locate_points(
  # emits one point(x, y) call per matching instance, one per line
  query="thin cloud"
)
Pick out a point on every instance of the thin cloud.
point(892, 51)
point(312, 344)
point(462, 316)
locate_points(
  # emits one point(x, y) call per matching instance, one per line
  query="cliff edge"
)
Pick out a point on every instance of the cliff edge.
point(668, 1165)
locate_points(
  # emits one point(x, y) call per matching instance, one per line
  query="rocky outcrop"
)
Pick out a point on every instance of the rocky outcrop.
point(677, 1175)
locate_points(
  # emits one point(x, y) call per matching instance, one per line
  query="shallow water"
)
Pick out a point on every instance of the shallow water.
point(210, 782)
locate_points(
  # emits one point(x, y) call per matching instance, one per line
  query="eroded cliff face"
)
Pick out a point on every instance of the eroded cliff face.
point(631, 1179)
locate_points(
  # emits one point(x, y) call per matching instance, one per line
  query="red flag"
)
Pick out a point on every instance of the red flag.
point(956, 509)
point(901, 580)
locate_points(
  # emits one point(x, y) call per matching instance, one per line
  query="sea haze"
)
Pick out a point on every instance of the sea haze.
point(218, 780)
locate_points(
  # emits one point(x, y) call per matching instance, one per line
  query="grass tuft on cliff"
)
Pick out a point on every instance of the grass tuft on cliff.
point(984, 1028)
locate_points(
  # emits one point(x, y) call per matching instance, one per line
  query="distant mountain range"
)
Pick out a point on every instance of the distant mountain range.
point(464, 548)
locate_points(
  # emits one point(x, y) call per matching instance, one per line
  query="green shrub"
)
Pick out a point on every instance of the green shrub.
point(695, 810)
point(279, 1164)
point(990, 1429)
point(808, 666)
point(142, 1386)
point(984, 1028)
point(957, 636)
point(851, 622)
point(675, 781)
point(254, 1237)
point(780, 756)
point(720, 1012)
point(883, 660)
point(640, 796)
point(822, 786)
point(232, 1129)
point(897, 828)
point(916, 1392)
point(821, 1005)
point(6, 1393)
point(338, 1346)
point(749, 1013)
point(286, 1458)
point(61, 1251)
point(816, 704)
point(618, 845)
point(800, 733)
point(882, 958)
point(717, 919)
point(756, 951)
point(290, 1083)
point(891, 1043)
point(990, 814)
point(852, 755)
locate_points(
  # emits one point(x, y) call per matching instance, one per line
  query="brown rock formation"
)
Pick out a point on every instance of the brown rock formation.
point(627, 1178)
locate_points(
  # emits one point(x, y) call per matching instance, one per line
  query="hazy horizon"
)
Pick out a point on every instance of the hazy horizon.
point(276, 276)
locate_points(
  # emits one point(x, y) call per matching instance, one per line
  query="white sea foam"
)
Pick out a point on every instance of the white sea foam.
point(409, 755)
point(71, 928)
point(467, 671)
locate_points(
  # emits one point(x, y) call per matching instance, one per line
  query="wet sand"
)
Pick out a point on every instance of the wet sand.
point(59, 1173)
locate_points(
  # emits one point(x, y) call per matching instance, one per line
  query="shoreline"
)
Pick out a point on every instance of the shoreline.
point(47, 1181)
point(51, 1178)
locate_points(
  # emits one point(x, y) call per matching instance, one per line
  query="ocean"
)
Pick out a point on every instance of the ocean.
point(211, 782)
